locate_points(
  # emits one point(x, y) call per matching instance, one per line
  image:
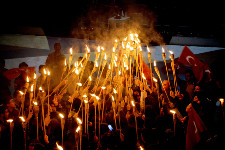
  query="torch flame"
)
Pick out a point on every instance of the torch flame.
point(105, 57)
point(163, 50)
point(71, 51)
point(59, 147)
point(48, 73)
point(148, 49)
point(84, 95)
point(143, 76)
point(103, 87)
point(65, 62)
point(98, 49)
point(171, 52)
point(45, 71)
point(61, 115)
point(96, 64)
point(141, 148)
point(172, 111)
point(132, 102)
point(35, 76)
point(109, 67)
point(89, 78)
point(221, 100)
point(27, 79)
point(140, 48)
point(154, 79)
point(22, 118)
point(21, 92)
point(114, 50)
point(113, 98)
point(78, 129)
point(80, 84)
point(35, 103)
point(97, 97)
point(9, 120)
point(88, 50)
point(40, 88)
point(78, 120)
point(154, 63)
point(32, 88)
point(114, 91)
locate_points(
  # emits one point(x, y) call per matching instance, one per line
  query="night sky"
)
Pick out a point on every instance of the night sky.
point(56, 18)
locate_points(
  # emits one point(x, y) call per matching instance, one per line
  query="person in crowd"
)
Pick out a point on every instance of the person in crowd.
point(55, 63)
point(5, 83)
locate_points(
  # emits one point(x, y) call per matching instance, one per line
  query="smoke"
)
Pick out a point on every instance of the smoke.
point(95, 25)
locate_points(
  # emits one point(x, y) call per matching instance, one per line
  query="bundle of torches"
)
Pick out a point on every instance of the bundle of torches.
point(120, 67)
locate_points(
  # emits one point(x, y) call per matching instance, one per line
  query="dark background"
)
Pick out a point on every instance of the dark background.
point(57, 18)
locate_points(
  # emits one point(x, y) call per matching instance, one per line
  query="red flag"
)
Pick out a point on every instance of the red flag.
point(15, 72)
point(194, 129)
point(189, 59)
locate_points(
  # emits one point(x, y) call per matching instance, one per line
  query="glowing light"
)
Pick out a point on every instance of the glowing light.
point(61, 115)
point(21, 92)
point(113, 98)
point(172, 111)
point(114, 50)
point(98, 49)
point(141, 148)
point(65, 62)
point(154, 63)
point(143, 76)
point(35, 103)
point(71, 51)
point(78, 129)
point(9, 120)
point(102, 48)
point(221, 100)
point(79, 121)
point(163, 50)
point(27, 79)
point(97, 97)
point(89, 78)
point(154, 79)
point(105, 57)
point(114, 91)
point(40, 88)
point(32, 88)
point(35, 76)
point(103, 87)
point(96, 64)
point(148, 49)
point(109, 67)
point(77, 71)
point(59, 147)
point(132, 103)
point(22, 118)
point(140, 48)
point(93, 95)
point(85, 96)
point(45, 71)
point(48, 73)
point(116, 41)
point(171, 52)
point(85, 101)
point(80, 84)
point(88, 50)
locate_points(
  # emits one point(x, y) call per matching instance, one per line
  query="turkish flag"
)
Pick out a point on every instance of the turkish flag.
point(189, 59)
point(194, 129)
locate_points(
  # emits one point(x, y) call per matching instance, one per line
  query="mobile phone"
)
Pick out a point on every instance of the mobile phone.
point(110, 127)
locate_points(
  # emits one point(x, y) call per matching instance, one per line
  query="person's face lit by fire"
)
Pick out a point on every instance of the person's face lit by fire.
point(165, 85)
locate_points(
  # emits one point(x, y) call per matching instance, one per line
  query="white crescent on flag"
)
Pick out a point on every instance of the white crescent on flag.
point(190, 57)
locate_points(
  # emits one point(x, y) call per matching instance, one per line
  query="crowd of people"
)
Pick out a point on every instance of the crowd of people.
point(147, 123)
